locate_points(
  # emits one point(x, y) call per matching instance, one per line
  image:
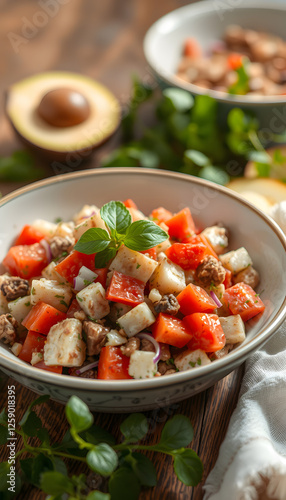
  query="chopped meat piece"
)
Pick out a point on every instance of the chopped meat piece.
point(132, 345)
point(165, 369)
point(8, 326)
point(222, 352)
point(210, 272)
point(59, 245)
point(95, 337)
point(147, 345)
point(165, 352)
point(167, 304)
point(14, 287)
point(249, 276)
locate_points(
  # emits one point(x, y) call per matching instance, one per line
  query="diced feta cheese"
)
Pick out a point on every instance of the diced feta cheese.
point(137, 319)
point(117, 310)
point(162, 247)
point(114, 338)
point(20, 307)
point(133, 264)
point(236, 260)
point(65, 229)
point(64, 345)
point(233, 328)
point(45, 227)
point(141, 365)
point(154, 295)
point(219, 291)
point(217, 238)
point(50, 274)
point(93, 221)
point(92, 300)
point(136, 214)
point(16, 348)
point(168, 278)
point(84, 213)
point(191, 359)
point(51, 292)
point(36, 357)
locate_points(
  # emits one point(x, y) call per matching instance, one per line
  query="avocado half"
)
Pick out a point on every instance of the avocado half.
point(97, 121)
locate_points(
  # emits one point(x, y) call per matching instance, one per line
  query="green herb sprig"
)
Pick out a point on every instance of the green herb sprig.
point(42, 465)
point(241, 86)
point(139, 235)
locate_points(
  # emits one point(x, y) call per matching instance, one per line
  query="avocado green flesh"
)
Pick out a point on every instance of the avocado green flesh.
point(25, 96)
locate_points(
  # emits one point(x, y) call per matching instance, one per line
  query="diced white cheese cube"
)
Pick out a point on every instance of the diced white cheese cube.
point(114, 338)
point(20, 307)
point(45, 227)
point(141, 365)
point(154, 295)
point(162, 247)
point(51, 292)
point(50, 274)
point(64, 345)
point(219, 291)
point(92, 300)
point(233, 328)
point(93, 221)
point(133, 264)
point(168, 278)
point(16, 348)
point(36, 358)
point(136, 214)
point(217, 238)
point(84, 213)
point(236, 260)
point(137, 319)
point(191, 359)
point(65, 229)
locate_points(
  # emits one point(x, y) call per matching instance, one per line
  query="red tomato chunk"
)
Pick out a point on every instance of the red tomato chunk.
point(26, 261)
point(181, 225)
point(34, 342)
point(206, 330)
point(195, 299)
point(113, 365)
point(242, 299)
point(125, 289)
point(186, 255)
point(42, 317)
point(29, 235)
point(170, 330)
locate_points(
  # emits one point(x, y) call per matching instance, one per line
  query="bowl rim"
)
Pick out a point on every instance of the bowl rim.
point(203, 8)
point(233, 358)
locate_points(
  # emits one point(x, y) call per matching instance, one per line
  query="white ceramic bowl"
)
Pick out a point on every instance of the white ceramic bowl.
point(206, 21)
point(62, 196)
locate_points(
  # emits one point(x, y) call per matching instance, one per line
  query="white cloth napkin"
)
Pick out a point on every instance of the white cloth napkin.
point(252, 458)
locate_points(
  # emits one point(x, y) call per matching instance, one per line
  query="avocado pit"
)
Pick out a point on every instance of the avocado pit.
point(64, 107)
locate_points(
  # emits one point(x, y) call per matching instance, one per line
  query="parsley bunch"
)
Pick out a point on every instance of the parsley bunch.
point(128, 470)
point(139, 235)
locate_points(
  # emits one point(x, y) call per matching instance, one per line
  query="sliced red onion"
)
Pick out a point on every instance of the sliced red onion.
point(148, 336)
point(215, 299)
point(88, 216)
point(87, 367)
point(47, 249)
point(84, 278)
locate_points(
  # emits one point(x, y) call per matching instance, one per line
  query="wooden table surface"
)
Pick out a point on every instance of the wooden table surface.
point(103, 39)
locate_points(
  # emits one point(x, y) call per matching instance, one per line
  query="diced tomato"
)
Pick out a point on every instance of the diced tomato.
point(53, 368)
point(101, 276)
point(129, 203)
point(195, 299)
point(42, 317)
point(34, 342)
point(29, 235)
point(206, 330)
point(113, 365)
point(170, 330)
point(228, 279)
point(125, 289)
point(160, 214)
point(26, 261)
point(243, 300)
point(70, 266)
point(186, 255)
point(74, 307)
point(200, 238)
point(235, 61)
point(192, 48)
point(181, 225)
point(152, 253)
